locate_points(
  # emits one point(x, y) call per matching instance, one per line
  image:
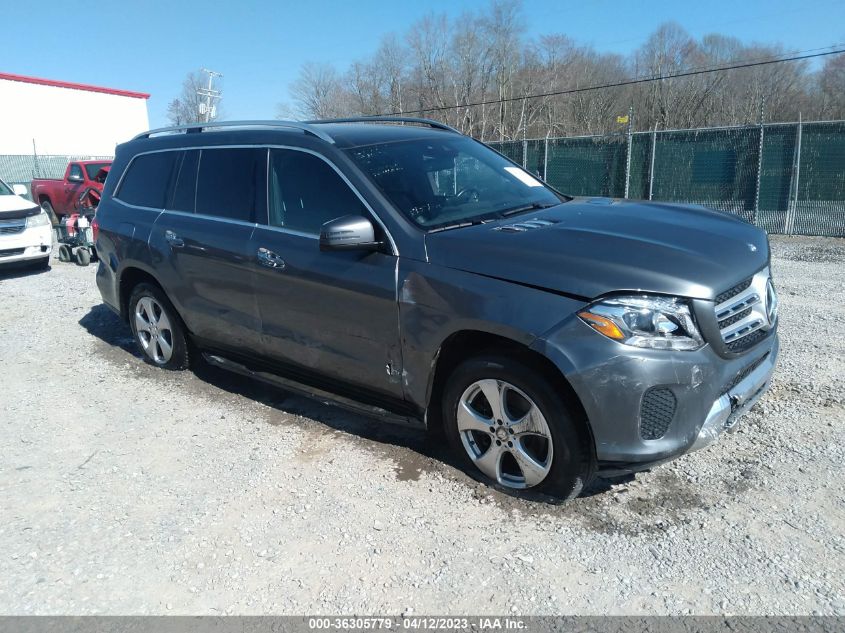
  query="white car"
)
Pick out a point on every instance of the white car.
point(26, 234)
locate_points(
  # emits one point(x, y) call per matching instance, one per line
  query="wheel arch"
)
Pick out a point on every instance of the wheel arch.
point(464, 344)
point(130, 277)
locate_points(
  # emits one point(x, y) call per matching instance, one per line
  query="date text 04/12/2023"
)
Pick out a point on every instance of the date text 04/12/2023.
point(490, 623)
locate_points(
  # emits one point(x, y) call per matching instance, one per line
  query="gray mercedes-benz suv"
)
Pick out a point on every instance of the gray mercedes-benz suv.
point(399, 268)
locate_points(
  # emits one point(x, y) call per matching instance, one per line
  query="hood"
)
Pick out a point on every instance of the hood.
point(591, 247)
point(12, 207)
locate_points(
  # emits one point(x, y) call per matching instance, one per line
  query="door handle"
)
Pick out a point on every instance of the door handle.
point(174, 240)
point(269, 259)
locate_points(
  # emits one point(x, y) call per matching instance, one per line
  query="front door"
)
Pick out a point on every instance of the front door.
point(327, 314)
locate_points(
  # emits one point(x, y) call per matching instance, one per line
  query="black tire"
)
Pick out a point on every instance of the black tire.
point(48, 209)
point(83, 256)
point(572, 462)
point(64, 253)
point(179, 358)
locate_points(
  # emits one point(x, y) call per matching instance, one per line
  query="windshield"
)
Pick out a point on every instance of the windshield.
point(92, 168)
point(452, 180)
point(5, 190)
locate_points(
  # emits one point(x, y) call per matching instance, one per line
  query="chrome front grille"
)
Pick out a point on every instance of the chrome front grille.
point(747, 311)
point(11, 227)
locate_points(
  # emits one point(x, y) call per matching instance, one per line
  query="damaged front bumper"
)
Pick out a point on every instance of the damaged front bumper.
point(705, 393)
point(733, 404)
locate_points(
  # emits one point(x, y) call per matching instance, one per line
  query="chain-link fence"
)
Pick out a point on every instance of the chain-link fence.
point(22, 168)
point(786, 177)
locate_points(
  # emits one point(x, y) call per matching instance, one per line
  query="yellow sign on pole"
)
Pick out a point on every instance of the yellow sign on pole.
point(622, 119)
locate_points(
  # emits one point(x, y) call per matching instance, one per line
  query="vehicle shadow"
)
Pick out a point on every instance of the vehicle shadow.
point(20, 270)
point(105, 325)
point(413, 451)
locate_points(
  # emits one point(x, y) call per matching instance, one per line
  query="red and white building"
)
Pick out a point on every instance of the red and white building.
point(59, 117)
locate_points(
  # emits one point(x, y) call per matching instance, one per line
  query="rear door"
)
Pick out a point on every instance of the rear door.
point(331, 315)
point(202, 241)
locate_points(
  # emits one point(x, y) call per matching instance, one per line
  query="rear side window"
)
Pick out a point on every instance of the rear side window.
point(306, 192)
point(185, 189)
point(147, 180)
point(228, 182)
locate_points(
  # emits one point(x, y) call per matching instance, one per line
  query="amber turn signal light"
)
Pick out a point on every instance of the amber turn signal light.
point(602, 325)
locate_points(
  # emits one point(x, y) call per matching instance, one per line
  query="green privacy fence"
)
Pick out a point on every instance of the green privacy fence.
point(786, 177)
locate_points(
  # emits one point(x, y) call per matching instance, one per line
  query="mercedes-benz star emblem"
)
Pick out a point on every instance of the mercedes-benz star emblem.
point(771, 302)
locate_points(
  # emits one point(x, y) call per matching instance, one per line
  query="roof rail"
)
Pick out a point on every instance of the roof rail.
point(388, 119)
point(200, 127)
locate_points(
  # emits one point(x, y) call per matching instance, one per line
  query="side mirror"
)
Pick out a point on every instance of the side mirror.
point(19, 190)
point(74, 178)
point(349, 233)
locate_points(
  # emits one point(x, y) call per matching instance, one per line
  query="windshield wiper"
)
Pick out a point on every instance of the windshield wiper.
point(460, 225)
point(525, 207)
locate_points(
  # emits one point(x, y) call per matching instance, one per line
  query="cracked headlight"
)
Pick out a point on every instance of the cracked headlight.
point(650, 322)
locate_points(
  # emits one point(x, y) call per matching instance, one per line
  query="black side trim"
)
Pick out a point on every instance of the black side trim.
point(312, 384)
point(308, 391)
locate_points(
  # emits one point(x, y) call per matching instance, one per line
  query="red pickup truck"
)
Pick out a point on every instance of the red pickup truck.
point(83, 182)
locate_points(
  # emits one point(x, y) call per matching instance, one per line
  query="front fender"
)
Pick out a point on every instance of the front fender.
point(436, 302)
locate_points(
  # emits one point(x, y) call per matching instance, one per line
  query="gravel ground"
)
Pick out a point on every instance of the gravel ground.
point(129, 490)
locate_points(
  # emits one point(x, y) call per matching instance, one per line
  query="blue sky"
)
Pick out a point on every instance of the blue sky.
point(260, 45)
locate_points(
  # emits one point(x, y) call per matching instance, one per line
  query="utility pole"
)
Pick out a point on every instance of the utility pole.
point(208, 109)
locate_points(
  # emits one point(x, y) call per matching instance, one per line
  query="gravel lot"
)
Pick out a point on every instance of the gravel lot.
point(129, 490)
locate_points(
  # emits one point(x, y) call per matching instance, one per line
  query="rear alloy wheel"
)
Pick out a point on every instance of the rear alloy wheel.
point(157, 328)
point(513, 430)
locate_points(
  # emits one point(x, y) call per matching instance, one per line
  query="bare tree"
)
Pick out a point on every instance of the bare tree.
point(448, 69)
point(319, 93)
point(185, 108)
point(831, 83)
point(503, 28)
point(428, 42)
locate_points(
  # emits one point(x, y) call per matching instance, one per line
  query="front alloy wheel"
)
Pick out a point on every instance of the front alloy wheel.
point(517, 430)
point(505, 434)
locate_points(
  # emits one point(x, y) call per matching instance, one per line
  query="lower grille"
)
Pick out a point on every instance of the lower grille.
point(11, 252)
point(656, 412)
point(742, 375)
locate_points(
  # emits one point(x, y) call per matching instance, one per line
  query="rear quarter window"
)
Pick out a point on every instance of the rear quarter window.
point(147, 180)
